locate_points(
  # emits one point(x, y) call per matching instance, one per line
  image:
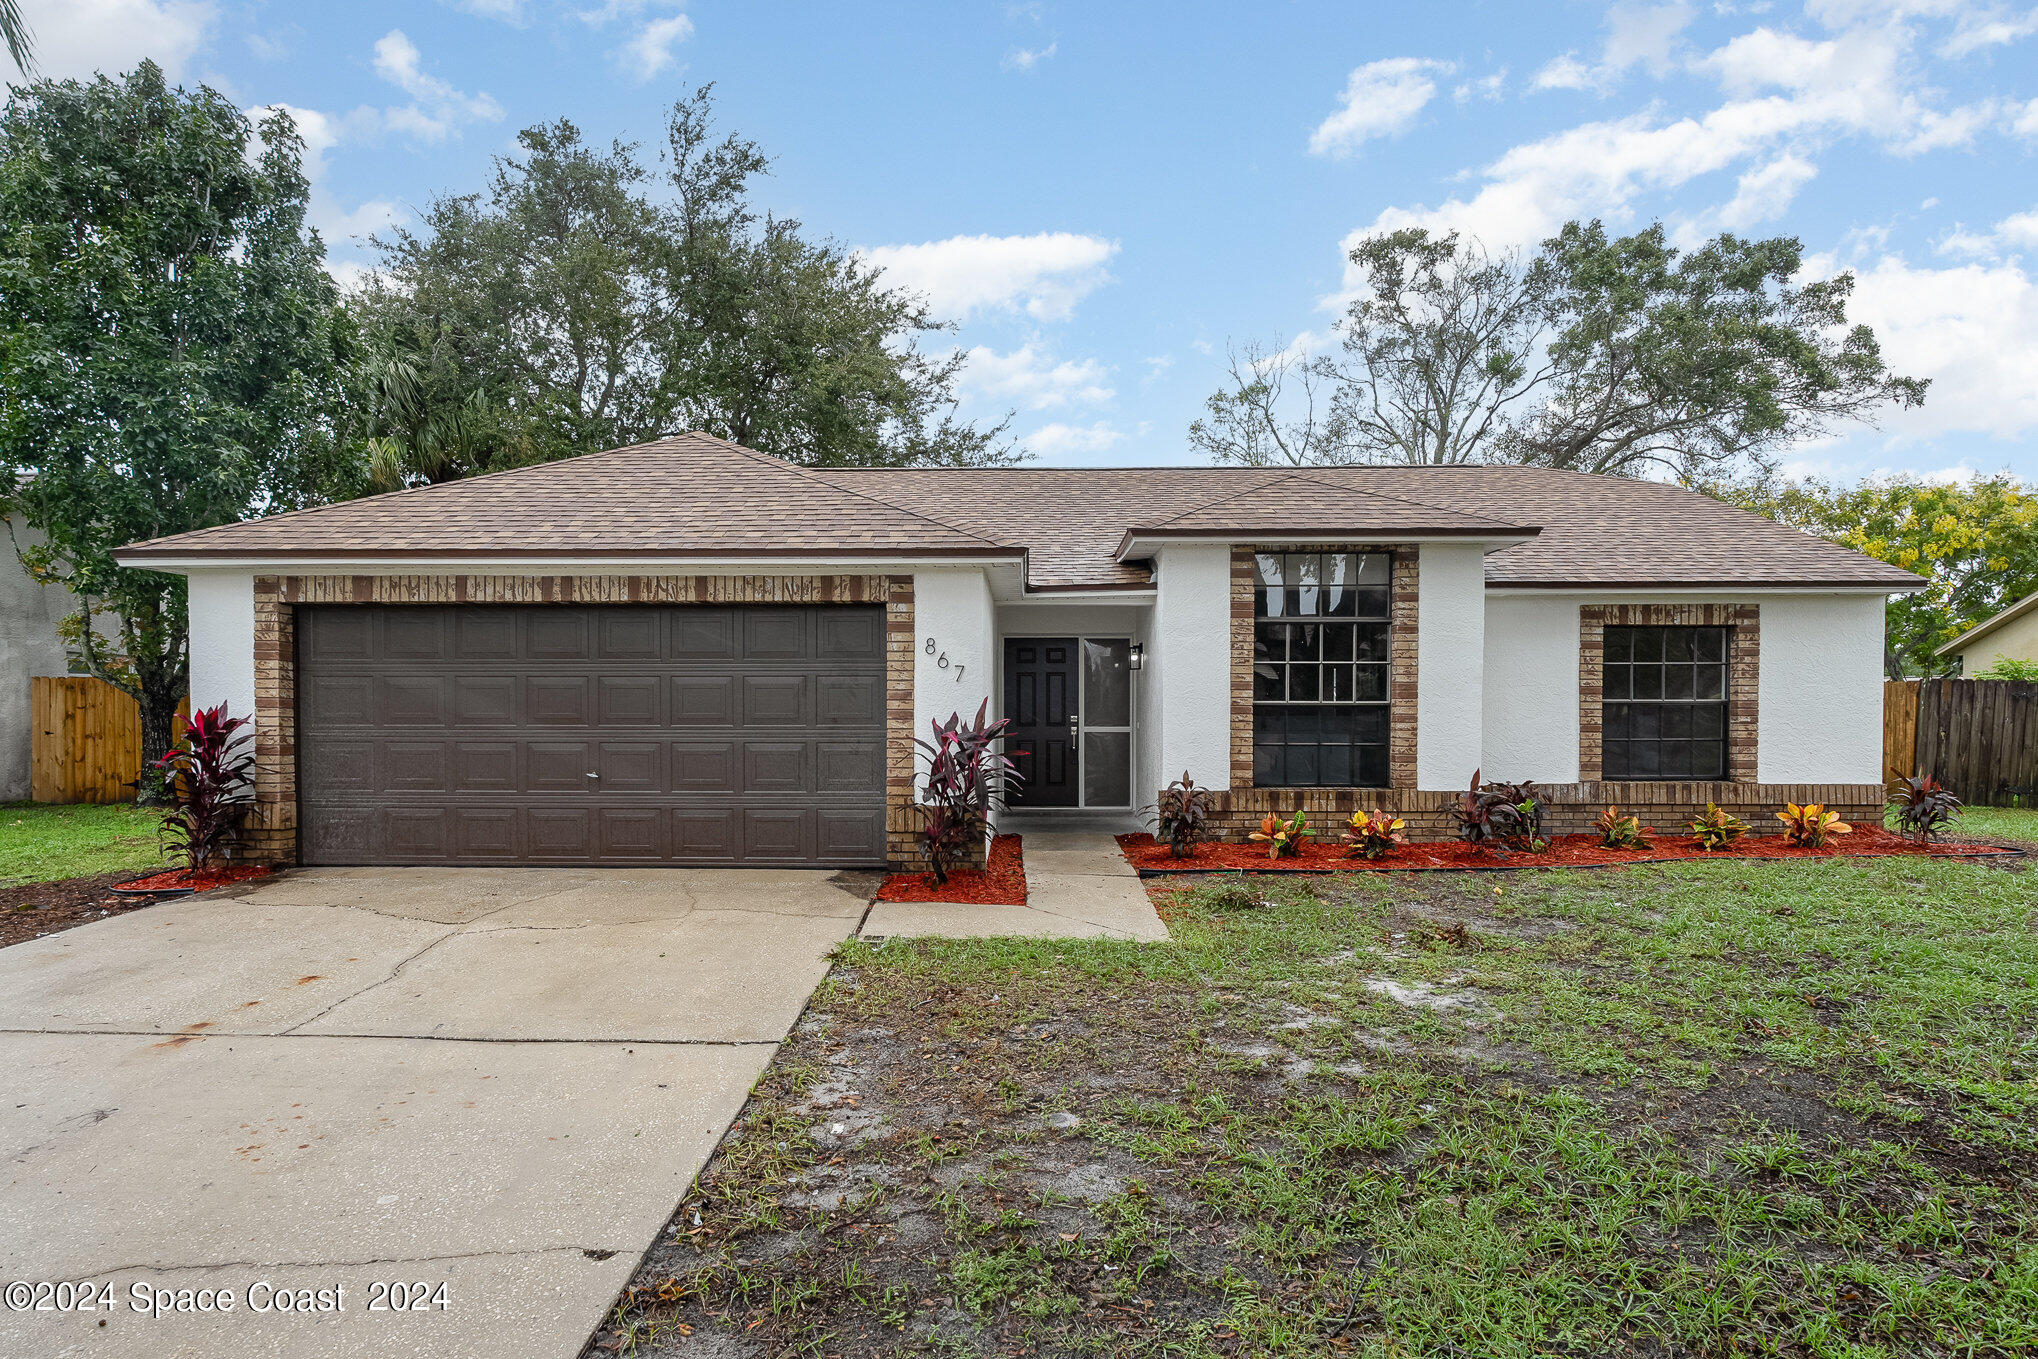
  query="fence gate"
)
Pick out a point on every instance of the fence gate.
point(87, 742)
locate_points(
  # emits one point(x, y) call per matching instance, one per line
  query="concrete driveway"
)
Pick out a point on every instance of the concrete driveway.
point(498, 1081)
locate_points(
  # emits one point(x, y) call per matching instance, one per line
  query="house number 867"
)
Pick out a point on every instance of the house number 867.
point(941, 659)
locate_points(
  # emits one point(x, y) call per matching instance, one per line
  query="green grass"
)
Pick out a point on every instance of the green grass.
point(1725, 1109)
point(41, 842)
point(1997, 823)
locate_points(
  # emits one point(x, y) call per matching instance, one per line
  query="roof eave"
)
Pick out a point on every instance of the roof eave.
point(211, 559)
point(1988, 625)
point(1632, 585)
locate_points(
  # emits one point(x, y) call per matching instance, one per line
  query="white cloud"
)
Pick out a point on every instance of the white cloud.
point(320, 133)
point(1060, 439)
point(1636, 35)
point(1157, 364)
point(1044, 275)
point(1031, 378)
point(1972, 329)
point(1026, 58)
point(267, 46)
point(437, 108)
point(1764, 193)
point(1380, 99)
point(2024, 121)
point(650, 50)
point(1484, 87)
point(77, 38)
point(507, 11)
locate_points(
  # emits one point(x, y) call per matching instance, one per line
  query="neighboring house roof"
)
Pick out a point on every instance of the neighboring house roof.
point(2028, 604)
point(695, 495)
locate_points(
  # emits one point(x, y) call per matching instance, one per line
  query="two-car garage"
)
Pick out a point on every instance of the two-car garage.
point(591, 734)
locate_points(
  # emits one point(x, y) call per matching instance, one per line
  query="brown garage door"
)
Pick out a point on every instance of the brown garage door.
point(559, 734)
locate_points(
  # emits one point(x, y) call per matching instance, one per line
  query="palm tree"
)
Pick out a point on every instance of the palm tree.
point(20, 42)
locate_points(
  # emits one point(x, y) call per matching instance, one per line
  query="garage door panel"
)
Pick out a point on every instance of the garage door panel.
point(484, 634)
point(704, 701)
point(559, 700)
point(559, 833)
point(719, 734)
point(704, 767)
point(484, 700)
point(777, 635)
point(631, 634)
point(849, 836)
point(558, 766)
point(417, 635)
point(557, 634)
point(632, 767)
point(631, 701)
point(776, 833)
point(704, 635)
point(777, 701)
point(415, 766)
point(486, 767)
point(849, 701)
point(484, 833)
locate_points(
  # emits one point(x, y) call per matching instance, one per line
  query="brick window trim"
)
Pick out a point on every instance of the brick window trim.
point(1402, 621)
point(1744, 657)
point(271, 833)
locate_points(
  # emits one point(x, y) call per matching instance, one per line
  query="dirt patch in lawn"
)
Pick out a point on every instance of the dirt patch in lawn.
point(1662, 1113)
point(40, 908)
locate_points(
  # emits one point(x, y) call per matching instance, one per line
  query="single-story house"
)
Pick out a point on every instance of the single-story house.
point(2012, 633)
point(688, 652)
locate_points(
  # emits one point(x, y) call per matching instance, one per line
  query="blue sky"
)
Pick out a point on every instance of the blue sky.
point(1104, 197)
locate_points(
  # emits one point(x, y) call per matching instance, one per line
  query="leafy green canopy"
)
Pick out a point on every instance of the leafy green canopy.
point(171, 348)
point(1594, 354)
point(582, 302)
point(1976, 541)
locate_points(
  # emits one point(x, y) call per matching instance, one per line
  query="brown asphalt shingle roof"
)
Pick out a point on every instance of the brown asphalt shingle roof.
point(698, 495)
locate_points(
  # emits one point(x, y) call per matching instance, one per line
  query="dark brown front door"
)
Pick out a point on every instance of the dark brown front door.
point(1040, 698)
point(567, 734)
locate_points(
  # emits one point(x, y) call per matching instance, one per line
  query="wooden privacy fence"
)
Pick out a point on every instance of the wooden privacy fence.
point(87, 744)
point(1978, 737)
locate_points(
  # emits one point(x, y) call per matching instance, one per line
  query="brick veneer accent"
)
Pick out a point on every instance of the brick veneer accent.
point(1744, 658)
point(272, 829)
point(1569, 808)
point(1403, 621)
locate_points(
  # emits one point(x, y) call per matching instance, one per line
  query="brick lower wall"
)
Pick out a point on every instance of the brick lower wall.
point(271, 833)
point(1569, 808)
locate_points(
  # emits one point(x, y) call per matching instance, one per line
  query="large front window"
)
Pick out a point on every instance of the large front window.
point(1320, 711)
point(1665, 697)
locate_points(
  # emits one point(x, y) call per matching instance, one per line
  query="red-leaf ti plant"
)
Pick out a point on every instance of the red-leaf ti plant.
point(211, 778)
point(966, 774)
point(1925, 807)
point(1182, 816)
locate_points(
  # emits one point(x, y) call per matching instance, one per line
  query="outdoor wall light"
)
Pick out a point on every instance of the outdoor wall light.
point(1138, 661)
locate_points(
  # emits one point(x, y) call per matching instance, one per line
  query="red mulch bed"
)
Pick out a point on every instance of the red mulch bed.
point(183, 880)
point(1566, 851)
point(1000, 882)
point(39, 908)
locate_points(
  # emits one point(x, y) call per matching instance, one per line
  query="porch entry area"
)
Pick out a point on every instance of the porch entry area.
point(1071, 702)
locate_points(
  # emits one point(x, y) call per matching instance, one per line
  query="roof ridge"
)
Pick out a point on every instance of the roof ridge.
point(1229, 495)
point(1302, 475)
point(812, 474)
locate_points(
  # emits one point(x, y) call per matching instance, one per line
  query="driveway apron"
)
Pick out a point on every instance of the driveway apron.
point(445, 1109)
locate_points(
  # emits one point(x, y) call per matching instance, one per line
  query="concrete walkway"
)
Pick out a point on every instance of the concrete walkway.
point(1078, 886)
point(498, 1081)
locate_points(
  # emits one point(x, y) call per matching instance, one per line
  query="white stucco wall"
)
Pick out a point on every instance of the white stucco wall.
point(1531, 699)
point(1450, 649)
point(1819, 700)
point(29, 614)
point(223, 641)
point(1821, 690)
point(1188, 663)
point(952, 607)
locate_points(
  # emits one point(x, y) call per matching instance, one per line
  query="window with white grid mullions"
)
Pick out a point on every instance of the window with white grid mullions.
point(1665, 713)
point(1320, 630)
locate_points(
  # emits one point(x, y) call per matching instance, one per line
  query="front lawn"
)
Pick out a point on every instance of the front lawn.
point(42, 842)
point(1694, 1109)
